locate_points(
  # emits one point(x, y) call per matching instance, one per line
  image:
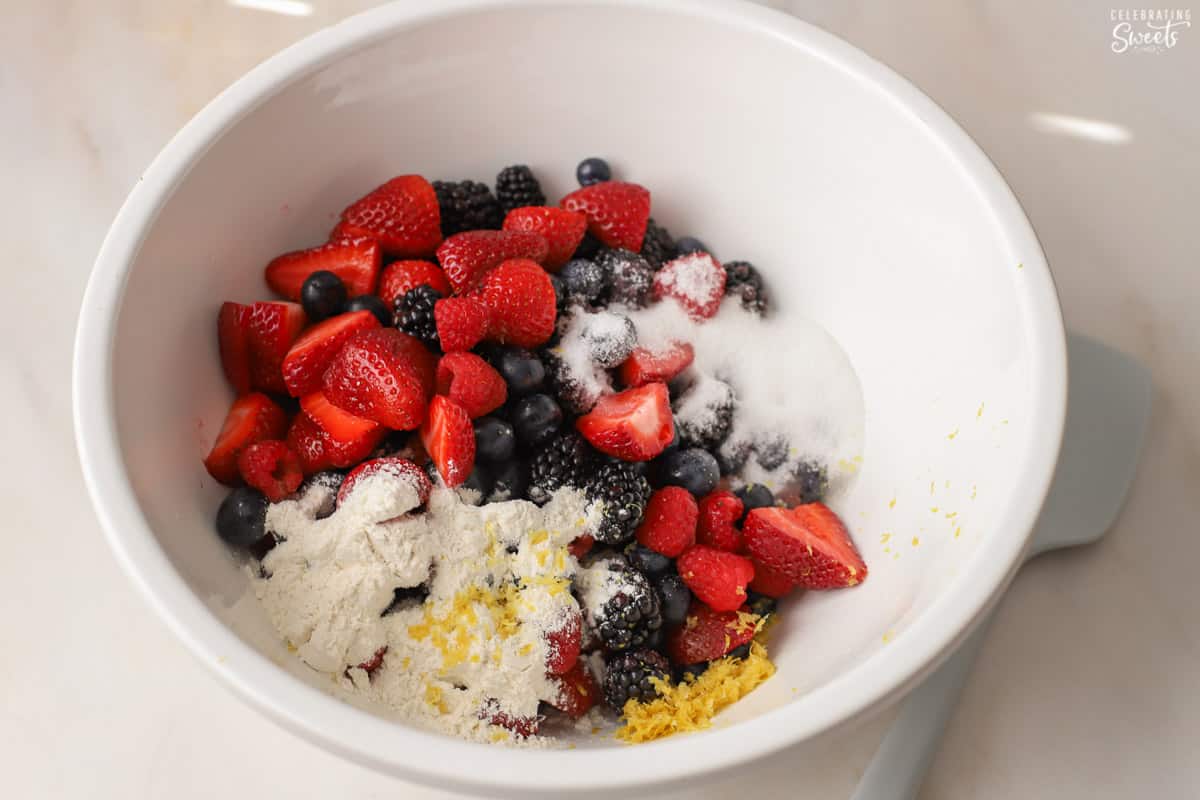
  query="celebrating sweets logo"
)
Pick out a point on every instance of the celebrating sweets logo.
point(1148, 30)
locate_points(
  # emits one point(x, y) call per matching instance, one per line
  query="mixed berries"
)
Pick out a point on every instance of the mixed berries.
point(434, 324)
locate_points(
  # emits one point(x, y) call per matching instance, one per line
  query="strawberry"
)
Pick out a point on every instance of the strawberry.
point(577, 691)
point(233, 340)
point(563, 643)
point(616, 212)
point(252, 418)
point(449, 439)
point(808, 544)
point(374, 662)
point(357, 264)
point(521, 303)
point(718, 513)
point(581, 545)
point(471, 382)
point(400, 468)
point(694, 280)
point(716, 577)
point(669, 523)
point(271, 467)
point(521, 727)
point(769, 582)
point(635, 425)
point(402, 215)
point(305, 363)
point(644, 366)
point(401, 276)
point(270, 330)
point(466, 257)
point(563, 230)
point(462, 322)
point(707, 634)
point(310, 444)
point(383, 375)
point(344, 438)
point(348, 234)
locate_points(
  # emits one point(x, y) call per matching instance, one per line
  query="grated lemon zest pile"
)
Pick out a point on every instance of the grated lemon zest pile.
point(691, 705)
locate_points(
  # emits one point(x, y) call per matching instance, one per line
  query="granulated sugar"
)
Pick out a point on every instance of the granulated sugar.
point(475, 649)
point(790, 378)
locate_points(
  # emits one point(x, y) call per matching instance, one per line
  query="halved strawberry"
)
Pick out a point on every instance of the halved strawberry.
point(252, 418)
point(634, 425)
point(311, 444)
point(769, 582)
point(694, 280)
point(402, 215)
point(563, 643)
point(462, 322)
point(270, 330)
point(399, 468)
point(347, 440)
point(234, 342)
point(449, 439)
point(356, 263)
point(563, 230)
point(808, 544)
point(471, 382)
point(305, 363)
point(271, 467)
point(715, 576)
point(522, 305)
point(617, 212)
point(576, 691)
point(347, 234)
point(644, 366)
point(466, 257)
point(401, 276)
point(383, 375)
point(707, 634)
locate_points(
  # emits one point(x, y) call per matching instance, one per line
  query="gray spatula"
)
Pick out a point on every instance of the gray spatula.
point(1107, 414)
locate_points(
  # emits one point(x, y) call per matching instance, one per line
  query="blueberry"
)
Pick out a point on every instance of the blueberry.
point(494, 439)
point(770, 453)
point(692, 468)
point(522, 371)
point(323, 295)
point(755, 495)
point(675, 597)
point(560, 291)
point(536, 418)
point(480, 480)
point(761, 604)
point(242, 517)
point(588, 247)
point(510, 480)
point(690, 244)
point(645, 560)
point(584, 279)
point(592, 170)
point(369, 302)
point(610, 337)
point(694, 670)
point(742, 651)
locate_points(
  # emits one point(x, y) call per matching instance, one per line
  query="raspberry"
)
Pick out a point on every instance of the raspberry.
point(718, 513)
point(521, 303)
point(696, 281)
point(461, 322)
point(669, 523)
point(271, 467)
point(563, 643)
point(718, 578)
point(471, 382)
point(707, 634)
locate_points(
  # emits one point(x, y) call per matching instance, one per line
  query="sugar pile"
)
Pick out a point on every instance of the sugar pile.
point(474, 650)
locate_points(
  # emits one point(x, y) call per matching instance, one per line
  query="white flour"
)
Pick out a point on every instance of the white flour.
point(477, 642)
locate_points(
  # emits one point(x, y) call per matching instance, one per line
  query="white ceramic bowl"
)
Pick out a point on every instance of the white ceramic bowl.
point(867, 207)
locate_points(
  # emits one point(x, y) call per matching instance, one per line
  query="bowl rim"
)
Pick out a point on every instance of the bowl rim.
point(436, 760)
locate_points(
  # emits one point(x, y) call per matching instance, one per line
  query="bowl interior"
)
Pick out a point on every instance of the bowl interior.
point(860, 216)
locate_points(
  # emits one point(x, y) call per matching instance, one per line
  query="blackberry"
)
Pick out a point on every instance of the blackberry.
point(624, 491)
point(628, 677)
point(573, 392)
point(610, 337)
point(705, 413)
point(414, 314)
point(770, 453)
point(658, 247)
point(732, 456)
point(588, 247)
point(761, 604)
point(516, 187)
point(630, 277)
point(744, 281)
point(564, 461)
point(628, 614)
point(467, 206)
point(811, 481)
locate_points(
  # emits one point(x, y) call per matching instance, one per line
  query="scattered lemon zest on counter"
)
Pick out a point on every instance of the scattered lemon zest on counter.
point(888, 636)
point(691, 704)
point(974, 489)
point(883, 539)
point(1021, 265)
point(932, 488)
point(979, 413)
point(892, 504)
point(958, 531)
point(952, 434)
point(1003, 422)
point(916, 541)
point(947, 484)
point(933, 509)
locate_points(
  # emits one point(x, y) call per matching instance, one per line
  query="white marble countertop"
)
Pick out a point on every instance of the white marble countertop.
point(1086, 687)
